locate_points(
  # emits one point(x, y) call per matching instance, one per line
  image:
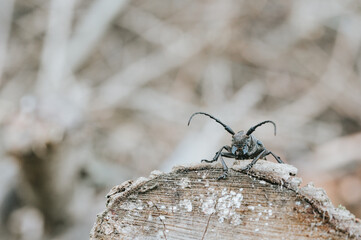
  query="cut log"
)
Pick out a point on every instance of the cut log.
point(190, 203)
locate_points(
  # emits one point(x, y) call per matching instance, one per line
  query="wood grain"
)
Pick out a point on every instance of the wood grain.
point(190, 203)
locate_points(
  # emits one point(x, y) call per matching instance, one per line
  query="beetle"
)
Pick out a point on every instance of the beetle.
point(244, 146)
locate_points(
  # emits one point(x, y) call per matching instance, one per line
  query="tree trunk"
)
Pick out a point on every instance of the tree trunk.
point(190, 203)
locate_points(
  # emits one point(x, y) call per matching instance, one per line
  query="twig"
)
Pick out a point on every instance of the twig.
point(91, 29)
point(6, 12)
point(150, 67)
point(150, 27)
point(53, 62)
point(154, 65)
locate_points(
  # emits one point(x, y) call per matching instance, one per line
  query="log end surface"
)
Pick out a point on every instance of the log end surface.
point(190, 203)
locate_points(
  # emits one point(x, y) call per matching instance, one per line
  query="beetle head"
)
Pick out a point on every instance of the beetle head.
point(240, 143)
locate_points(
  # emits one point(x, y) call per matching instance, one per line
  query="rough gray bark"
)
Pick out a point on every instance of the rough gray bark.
point(190, 203)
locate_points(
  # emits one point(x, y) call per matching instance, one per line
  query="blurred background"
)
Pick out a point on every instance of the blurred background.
point(93, 93)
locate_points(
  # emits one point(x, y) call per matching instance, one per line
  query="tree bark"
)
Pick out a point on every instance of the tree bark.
point(190, 203)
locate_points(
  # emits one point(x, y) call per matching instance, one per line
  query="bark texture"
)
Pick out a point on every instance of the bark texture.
point(190, 203)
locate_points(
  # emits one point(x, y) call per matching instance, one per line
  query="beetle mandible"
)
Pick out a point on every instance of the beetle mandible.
point(244, 146)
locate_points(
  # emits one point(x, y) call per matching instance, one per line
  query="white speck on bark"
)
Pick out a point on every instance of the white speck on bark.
point(184, 183)
point(251, 208)
point(207, 183)
point(208, 206)
point(186, 204)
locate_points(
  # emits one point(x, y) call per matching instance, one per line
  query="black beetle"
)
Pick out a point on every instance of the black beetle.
point(244, 146)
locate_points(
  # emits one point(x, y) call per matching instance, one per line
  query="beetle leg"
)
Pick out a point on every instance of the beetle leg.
point(215, 158)
point(262, 154)
point(219, 154)
point(276, 157)
point(208, 161)
point(225, 170)
point(228, 155)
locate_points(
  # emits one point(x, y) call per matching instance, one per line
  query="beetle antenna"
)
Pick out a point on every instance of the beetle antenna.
point(252, 129)
point(228, 129)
